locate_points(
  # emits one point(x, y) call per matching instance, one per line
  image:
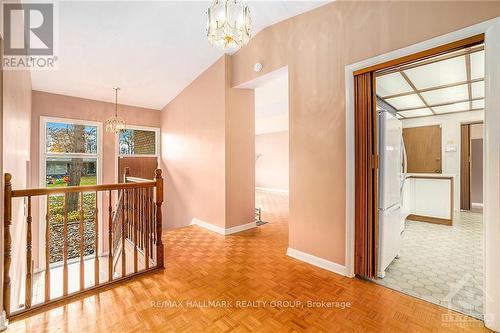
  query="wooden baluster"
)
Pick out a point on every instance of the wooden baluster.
point(159, 201)
point(147, 215)
point(65, 246)
point(153, 226)
point(141, 219)
point(96, 241)
point(47, 251)
point(29, 278)
point(135, 215)
point(82, 265)
point(7, 243)
point(124, 225)
point(144, 218)
point(110, 239)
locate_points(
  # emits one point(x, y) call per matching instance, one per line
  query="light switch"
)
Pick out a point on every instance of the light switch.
point(450, 148)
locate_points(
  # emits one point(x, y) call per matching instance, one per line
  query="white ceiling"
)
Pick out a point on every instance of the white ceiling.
point(444, 84)
point(151, 49)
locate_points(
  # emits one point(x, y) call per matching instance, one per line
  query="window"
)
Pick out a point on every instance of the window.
point(70, 153)
point(138, 142)
point(70, 156)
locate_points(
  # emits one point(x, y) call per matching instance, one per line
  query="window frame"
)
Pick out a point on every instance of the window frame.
point(43, 146)
point(140, 128)
point(43, 177)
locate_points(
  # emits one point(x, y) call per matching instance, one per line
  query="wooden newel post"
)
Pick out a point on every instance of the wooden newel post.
point(126, 173)
point(159, 201)
point(7, 243)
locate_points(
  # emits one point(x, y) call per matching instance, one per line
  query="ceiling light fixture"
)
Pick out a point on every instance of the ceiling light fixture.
point(115, 124)
point(228, 24)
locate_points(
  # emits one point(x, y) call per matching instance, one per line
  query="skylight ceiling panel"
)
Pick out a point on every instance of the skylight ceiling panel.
point(416, 113)
point(478, 89)
point(439, 73)
point(446, 95)
point(406, 102)
point(456, 107)
point(392, 84)
point(479, 104)
point(477, 65)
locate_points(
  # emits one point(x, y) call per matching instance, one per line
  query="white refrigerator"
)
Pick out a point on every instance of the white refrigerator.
point(389, 203)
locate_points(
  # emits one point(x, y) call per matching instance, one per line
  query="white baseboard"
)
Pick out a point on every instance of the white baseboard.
point(476, 205)
point(3, 321)
point(223, 231)
point(268, 189)
point(316, 261)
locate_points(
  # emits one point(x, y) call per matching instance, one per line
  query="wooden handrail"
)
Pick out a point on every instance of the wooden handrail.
point(32, 192)
point(138, 212)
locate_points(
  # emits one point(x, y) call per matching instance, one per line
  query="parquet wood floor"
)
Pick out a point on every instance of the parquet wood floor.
point(250, 266)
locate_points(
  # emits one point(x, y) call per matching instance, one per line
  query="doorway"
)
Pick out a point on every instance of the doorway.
point(404, 218)
point(271, 147)
point(471, 166)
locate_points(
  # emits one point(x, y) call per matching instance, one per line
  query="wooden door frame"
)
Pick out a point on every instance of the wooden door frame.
point(491, 167)
point(352, 187)
point(465, 173)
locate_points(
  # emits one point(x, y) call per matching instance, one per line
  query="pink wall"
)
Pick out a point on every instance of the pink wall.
point(240, 153)
point(271, 168)
point(16, 154)
point(316, 46)
point(60, 106)
point(207, 145)
point(193, 135)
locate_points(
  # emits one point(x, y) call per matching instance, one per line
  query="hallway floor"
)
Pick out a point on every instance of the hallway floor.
point(442, 264)
point(244, 283)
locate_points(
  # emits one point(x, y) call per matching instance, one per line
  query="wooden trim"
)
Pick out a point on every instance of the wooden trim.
point(7, 242)
point(29, 264)
point(458, 53)
point(73, 189)
point(465, 203)
point(47, 251)
point(474, 40)
point(36, 309)
point(429, 219)
point(159, 201)
point(65, 246)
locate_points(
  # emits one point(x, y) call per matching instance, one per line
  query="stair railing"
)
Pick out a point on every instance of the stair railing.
point(138, 218)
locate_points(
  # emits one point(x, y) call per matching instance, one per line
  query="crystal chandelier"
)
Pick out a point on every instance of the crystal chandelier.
point(228, 26)
point(115, 124)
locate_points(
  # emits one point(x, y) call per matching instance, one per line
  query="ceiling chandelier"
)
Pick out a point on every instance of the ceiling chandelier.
point(115, 124)
point(228, 26)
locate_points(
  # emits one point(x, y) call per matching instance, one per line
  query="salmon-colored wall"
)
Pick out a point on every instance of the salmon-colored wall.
point(61, 106)
point(316, 46)
point(240, 153)
point(193, 143)
point(207, 146)
point(16, 155)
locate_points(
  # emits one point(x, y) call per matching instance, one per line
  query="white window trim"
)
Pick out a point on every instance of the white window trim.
point(42, 175)
point(143, 128)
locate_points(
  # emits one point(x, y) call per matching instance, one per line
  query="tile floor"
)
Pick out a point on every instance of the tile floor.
point(442, 264)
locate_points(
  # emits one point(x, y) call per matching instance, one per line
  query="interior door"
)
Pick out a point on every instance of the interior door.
point(423, 149)
point(141, 167)
point(465, 167)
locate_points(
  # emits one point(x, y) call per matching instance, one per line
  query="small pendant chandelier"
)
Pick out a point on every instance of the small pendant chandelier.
point(228, 25)
point(115, 124)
